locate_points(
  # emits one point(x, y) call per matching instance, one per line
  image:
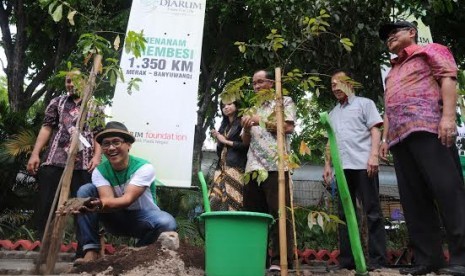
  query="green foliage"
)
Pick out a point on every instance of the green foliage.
point(92, 43)
point(21, 143)
point(113, 71)
point(445, 18)
point(327, 222)
point(260, 176)
point(314, 238)
point(18, 131)
point(396, 235)
point(135, 43)
point(12, 225)
point(234, 90)
point(307, 37)
point(133, 84)
point(310, 28)
point(184, 205)
point(3, 91)
point(276, 41)
point(188, 231)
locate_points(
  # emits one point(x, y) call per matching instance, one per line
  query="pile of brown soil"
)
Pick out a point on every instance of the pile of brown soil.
point(149, 260)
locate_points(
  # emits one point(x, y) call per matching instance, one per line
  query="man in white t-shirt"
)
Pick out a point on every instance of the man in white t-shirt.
point(123, 193)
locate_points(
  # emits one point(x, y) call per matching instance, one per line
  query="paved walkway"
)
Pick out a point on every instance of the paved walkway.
point(22, 262)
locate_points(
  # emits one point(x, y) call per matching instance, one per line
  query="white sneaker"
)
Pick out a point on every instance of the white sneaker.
point(274, 268)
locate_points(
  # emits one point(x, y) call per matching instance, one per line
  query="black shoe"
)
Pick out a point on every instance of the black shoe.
point(455, 270)
point(339, 267)
point(375, 267)
point(416, 270)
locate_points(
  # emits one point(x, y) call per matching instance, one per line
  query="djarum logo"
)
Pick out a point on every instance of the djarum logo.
point(193, 5)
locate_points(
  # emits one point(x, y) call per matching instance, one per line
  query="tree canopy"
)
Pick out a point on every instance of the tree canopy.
point(37, 47)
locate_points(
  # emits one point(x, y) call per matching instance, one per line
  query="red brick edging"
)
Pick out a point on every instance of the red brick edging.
point(330, 257)
point(305, 256)
point(35, 246)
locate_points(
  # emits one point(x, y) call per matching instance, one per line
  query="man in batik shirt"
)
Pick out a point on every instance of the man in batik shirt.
point(420, 130)
point(56, 133)
point(262, 159)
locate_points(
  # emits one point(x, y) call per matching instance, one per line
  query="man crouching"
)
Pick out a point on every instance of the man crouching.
point(122, 196)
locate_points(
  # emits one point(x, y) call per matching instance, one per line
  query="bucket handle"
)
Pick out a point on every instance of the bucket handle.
point(206, 202)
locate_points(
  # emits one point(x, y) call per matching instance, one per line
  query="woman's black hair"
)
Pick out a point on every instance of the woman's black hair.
point(225, 122)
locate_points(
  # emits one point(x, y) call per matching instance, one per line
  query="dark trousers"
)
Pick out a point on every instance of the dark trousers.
point(48, 178)
point(263, 198)
point(366, 189)
point(431, 188)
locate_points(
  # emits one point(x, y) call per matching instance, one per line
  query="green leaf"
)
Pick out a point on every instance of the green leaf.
point(311, 221)
point(71, 17)
point(246, 178)
point(320, 221)
point(112, 78)
point(133, 84)
point(43, 3)
point(51, 7)
point(262, 176)
point(135, 43)
point(58, 13)
point(116, 43)
point(348, 49)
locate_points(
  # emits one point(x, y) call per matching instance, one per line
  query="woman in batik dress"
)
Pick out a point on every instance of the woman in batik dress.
point(226, 190)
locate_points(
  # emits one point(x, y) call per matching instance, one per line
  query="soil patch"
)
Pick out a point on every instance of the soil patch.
point(153, 259)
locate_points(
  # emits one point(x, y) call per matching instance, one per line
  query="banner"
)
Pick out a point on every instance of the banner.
point(162, 114)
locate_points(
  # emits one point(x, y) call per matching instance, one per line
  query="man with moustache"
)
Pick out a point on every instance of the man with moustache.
point(56, 133)
point(420, 131)
point(356, 123)
point(262, 156)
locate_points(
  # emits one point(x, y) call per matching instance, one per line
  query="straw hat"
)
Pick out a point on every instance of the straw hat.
point(113, 129)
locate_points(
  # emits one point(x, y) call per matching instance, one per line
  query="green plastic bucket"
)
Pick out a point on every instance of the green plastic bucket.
point(235, 243)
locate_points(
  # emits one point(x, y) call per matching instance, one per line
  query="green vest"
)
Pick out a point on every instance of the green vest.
point(118, 178)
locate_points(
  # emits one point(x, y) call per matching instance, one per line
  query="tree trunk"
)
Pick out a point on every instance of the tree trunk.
point(208, 101)
point(21, 98)
point(17, 68)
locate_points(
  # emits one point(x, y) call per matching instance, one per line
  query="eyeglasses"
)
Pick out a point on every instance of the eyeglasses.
point(115, 143)
point(395, 31)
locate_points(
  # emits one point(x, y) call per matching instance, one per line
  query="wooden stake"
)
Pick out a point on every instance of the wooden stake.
point(281, 173)
point(296, 255)
point(53, 236)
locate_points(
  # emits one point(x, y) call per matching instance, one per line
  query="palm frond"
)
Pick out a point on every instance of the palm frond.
point(21, 143)
point(188, 230)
